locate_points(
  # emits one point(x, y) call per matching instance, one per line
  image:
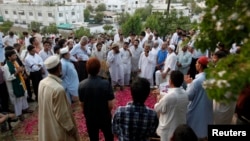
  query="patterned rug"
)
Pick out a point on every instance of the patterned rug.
point(28, 129)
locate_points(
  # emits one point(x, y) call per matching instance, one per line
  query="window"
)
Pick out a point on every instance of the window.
point(73, 21)
point(39, 14)
point(14, 12)
point(24, 22)
point(16, 21)
point(21, 12)
point(72, 13)
point(60, 14)
point(30, 13)
point(49, 14)
point(6, 12)
point(68, 0)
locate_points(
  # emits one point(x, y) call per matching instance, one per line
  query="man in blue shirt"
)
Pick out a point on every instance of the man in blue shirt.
point(135, 121)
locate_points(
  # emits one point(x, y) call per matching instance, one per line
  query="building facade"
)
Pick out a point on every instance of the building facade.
point(26, 13)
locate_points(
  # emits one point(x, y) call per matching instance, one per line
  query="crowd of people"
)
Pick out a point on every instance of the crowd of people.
point(59, 71)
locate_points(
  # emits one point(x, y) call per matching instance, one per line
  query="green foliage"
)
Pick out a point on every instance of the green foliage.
point(123, 17)
point(98, 17)
point(82, 32)
point(144, 12)
point(227, 22)
point(169, 24)
point(51, 29)
point(34, 25)
point(6, 26)
point(101, 7)
point(153, 22)
point(132, 24)
point(90, 8)
point(107, 27)
point(86, 14)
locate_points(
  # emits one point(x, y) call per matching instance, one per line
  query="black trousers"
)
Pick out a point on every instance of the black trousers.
point(27, 83)
point(36, 77)
point(94, 127)
point(4, 98)
point(82, 72)
point(192, 70)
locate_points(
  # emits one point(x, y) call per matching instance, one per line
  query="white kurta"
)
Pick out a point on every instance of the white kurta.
point(172, 109)
point(126, 63)
point(185, 59)
point(170, 62)
point(19, 103)
point(115, 68)
point(136, 53)
point(146, 65)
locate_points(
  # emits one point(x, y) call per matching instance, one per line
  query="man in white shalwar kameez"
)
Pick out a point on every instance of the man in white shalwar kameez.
point(169, 65)
point(147, 64)
point(114, 61)
point(136, 51)
point(15, 84)
point(126, 62)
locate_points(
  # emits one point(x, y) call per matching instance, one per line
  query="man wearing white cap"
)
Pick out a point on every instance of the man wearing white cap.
point(169, 65)
point(69, 76)
point(114, 61)
point(55, 121)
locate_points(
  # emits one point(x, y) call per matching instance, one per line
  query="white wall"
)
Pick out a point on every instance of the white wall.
point(44, 14)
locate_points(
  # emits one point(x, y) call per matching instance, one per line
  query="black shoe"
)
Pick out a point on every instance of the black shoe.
point(30, 100)
point(12, 119)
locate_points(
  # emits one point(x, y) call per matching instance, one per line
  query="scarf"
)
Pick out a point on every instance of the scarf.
point(18, 84)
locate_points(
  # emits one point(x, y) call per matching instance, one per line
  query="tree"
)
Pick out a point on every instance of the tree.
point(132, 24)
point(6, 26)
point(99, 17)
point(153, 22)
point(144, 12)
point(82, 32)
point(107, 27)
point(34, 25)
point(86, 15)
point(226, 22)
point(101, 7)
point(123, 17)
point(90, 8)
point(52, 28)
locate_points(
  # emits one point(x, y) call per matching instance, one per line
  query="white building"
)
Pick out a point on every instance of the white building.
point(26, 13)
point(162, 8)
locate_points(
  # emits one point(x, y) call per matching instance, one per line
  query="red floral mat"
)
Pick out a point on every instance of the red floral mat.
point(28, 129)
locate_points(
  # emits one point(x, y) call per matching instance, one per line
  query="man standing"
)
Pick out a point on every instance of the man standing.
point(97, 99)
point(10, 39)
point(81, 52)
point(34, 65)
point(171, 107)
point(13, 75)
point(126, 62)
point(69, 76)
point(135, 121)
point(169, 65)
point(136, 53)
point(200, 108)
point(147, 64)
point(55, 121)
point(114, 61)
point(184, 59)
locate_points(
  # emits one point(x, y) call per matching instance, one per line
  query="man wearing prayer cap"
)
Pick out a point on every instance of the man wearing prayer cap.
point(55, 120)
point(114, 61)
point(200, 109)
point(70, 80)
point(169, 65)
